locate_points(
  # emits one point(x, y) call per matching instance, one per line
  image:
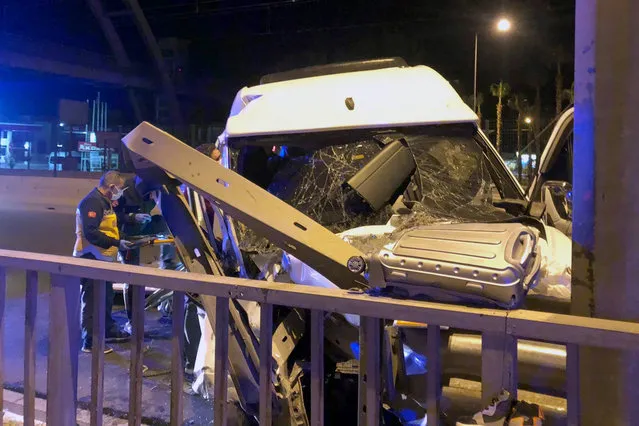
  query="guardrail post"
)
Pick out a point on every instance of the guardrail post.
point(573, 385)
point(498, 365)
point(266, 363)
point(3, 295)
point(97, 350)
point(62, 375)
point(31, 305)
point(317, 368)
point(137, 356)
point(221, 360)
point(177, 360)
point(434, 374)
point(370, 336)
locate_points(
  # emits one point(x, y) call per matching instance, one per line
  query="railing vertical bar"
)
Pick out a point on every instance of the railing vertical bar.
point(221, 360)
point(97, 351)
point(573, 385)
point(177, 363)
point(266, 364)
point(498, 365)
point(31, 306)
point(434, 374)
point(137, 356)
point(361, 378)
point(370, 356)
point(317, 368)
point(62, 377)
point(3, 294)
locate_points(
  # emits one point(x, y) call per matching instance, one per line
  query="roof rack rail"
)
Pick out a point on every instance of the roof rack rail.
point(337, 68)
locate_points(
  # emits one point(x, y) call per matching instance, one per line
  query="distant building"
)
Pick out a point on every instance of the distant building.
point(24, 139)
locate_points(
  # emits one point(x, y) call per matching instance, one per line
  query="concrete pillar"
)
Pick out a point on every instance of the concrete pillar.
point(606, 200)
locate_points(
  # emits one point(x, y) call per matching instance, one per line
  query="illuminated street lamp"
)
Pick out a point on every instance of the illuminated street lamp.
point(528, 120)
point(503, 26)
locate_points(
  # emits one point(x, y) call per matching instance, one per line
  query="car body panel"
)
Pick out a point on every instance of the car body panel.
point(402, 96)
point(556, 143)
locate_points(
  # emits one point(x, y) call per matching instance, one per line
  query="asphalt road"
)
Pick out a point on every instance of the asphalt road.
point(49, 230)
point(42, 229)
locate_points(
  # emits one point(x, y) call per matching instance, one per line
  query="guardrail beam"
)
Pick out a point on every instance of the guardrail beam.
point(97, 352)
point(220, 385)
point(177, 359)
point(3, 296)
point(370, 377)
point(498, 365)
point(62, 374)
point(266, 364)
point(433, 374)
point(137, 356)
point(317, 367)
point(31, 305)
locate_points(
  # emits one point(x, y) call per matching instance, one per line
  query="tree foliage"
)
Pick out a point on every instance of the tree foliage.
point(501, 91)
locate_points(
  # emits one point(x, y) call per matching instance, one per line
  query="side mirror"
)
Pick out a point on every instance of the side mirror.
point(557, 197)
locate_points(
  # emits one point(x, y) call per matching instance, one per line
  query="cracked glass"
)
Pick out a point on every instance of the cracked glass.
point(455, 180)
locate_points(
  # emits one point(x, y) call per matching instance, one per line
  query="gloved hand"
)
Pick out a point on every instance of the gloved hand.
point(142, 218)
point(125, 245)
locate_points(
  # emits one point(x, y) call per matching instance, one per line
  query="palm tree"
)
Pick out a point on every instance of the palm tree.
point(500, 91)
point(515, 103)
point(470, 101)
point(480, 101)
point(559, 57)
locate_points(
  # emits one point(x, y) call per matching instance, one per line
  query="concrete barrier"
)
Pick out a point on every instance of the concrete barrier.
point(41, 190)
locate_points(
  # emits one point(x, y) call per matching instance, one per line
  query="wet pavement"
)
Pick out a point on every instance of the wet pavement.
point(49, 229)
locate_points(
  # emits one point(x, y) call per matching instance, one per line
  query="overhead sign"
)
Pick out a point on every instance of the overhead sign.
point(87, 146)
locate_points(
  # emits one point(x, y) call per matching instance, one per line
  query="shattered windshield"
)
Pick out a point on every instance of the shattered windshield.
point(455, 180)
point(312, 182)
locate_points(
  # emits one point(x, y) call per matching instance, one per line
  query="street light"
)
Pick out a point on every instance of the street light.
point(503, 26)
point(528, 120)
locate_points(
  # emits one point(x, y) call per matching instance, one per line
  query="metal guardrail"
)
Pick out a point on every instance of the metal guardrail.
point(500, 331)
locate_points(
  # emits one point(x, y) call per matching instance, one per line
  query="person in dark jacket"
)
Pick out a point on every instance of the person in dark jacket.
point(132, 203)
point(98, 238)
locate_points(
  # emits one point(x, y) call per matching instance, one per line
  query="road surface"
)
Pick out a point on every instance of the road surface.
point(45, 229)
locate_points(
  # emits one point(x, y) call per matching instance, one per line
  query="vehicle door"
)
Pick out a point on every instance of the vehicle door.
point(552, 185)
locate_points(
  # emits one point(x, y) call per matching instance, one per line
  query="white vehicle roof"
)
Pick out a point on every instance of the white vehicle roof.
point(389, 97)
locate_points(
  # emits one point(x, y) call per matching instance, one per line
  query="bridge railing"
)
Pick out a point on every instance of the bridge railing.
point(500, 332)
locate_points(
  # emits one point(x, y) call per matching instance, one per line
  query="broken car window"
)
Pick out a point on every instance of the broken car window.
point(454, 181)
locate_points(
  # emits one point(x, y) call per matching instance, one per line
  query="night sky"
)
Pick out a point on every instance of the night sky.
point(234, 42)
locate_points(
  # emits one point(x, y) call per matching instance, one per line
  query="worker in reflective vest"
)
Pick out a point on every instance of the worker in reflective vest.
point(98, 238)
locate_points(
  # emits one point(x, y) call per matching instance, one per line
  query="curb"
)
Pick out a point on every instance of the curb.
point(14, 410)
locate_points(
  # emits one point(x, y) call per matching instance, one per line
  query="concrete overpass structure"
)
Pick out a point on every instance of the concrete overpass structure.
point(51, 58)
point(118, 70)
